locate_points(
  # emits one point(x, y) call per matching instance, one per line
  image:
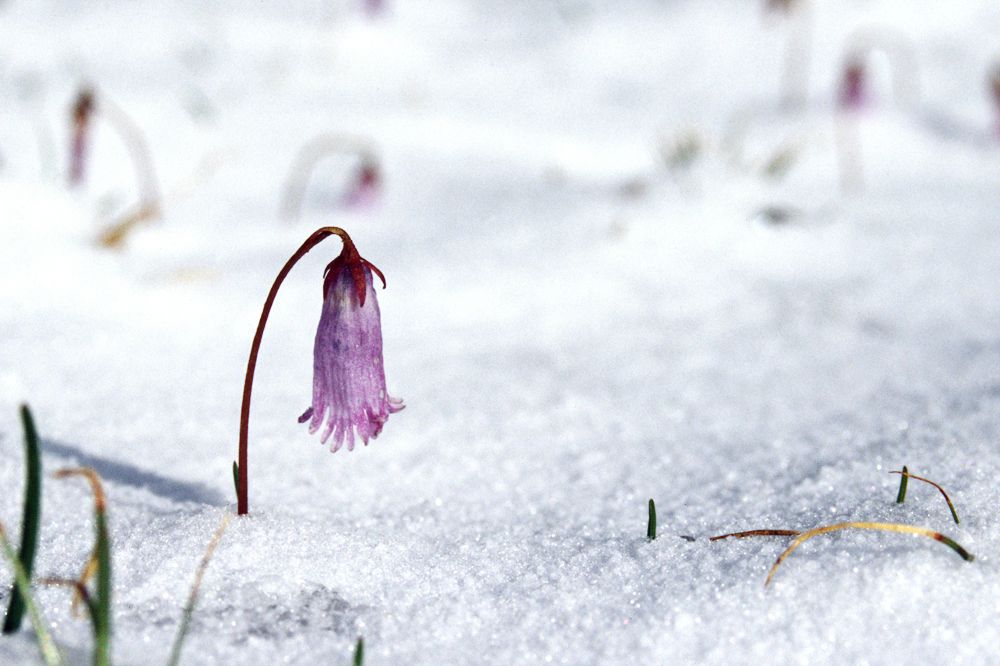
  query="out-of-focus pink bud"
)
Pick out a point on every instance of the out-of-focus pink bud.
point(83, 111)
point(853, 96)
point(366, 187)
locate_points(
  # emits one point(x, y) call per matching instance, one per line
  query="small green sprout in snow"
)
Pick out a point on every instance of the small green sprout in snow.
point(651, 524)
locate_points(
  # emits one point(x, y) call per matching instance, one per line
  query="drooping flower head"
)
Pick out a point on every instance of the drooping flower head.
point(83, 110)
point(364, 190)
point(349, 394)
point(853, 96)
point(373, 8)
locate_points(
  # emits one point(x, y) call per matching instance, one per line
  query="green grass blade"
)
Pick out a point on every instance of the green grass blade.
point(102, 624)
point(30, 519)
point(359, 653)
point(901, 495)
point(651, 525)
point(47, 646)
point(236, 479)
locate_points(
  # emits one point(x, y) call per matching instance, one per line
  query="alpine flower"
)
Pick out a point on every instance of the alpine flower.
point(83, 110)
point(853, 95)
point(349, 394)
point(364, 190)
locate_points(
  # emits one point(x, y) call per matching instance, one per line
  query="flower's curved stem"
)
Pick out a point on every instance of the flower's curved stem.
point(242, 500)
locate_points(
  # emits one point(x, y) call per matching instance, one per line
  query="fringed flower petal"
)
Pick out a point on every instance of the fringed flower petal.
point(349, 394)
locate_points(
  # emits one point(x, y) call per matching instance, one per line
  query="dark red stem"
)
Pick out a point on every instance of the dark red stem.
point(243, 503)
point(83, 108)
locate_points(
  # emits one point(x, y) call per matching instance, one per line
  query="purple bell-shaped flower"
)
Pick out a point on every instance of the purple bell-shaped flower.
point(349, 393)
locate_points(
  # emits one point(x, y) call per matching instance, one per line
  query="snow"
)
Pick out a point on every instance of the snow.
point(575, 328)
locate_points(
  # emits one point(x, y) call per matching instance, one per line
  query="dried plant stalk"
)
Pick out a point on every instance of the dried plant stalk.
point(89, 569)
point(101, 613)
point(175, 651)
point(906, 475)
point(80, 591)
point(114, 236)
point(887, 527)
point(753, 533)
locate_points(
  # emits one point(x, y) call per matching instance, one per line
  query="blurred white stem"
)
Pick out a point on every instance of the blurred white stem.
point(849, 154)
point(142, 160)
point(798, 56)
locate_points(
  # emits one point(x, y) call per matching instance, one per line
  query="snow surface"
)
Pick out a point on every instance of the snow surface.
point(575, 328)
